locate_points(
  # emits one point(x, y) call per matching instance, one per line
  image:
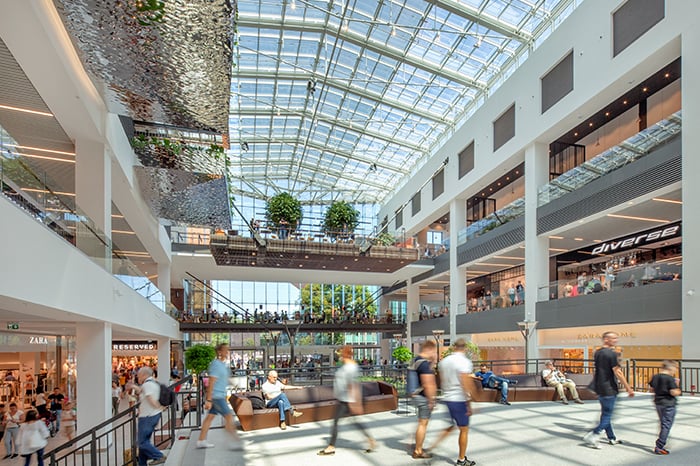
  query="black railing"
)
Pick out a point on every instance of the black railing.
point(113, 442)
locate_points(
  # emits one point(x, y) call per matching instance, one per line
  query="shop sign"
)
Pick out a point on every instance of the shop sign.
point(649, 236)
point(38, 341)
point(134, 345)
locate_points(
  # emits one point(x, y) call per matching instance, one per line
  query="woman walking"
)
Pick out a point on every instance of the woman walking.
point(33, 438)
point(348, 392)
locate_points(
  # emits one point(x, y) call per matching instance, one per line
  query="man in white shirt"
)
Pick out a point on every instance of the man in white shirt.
point(273, 391)
point(149, 416)
point(455, 371)
point(554, 378)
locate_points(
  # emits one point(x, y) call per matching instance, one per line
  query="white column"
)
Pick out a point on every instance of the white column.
point(536, 247)
point(690, 46)
point(458, 275)
point(93, 342)
point(93, 195)
point(164, 280)
point(412, 309)
point(164, 360)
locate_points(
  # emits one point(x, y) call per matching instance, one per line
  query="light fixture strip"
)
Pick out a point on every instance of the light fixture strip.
point(26, 110)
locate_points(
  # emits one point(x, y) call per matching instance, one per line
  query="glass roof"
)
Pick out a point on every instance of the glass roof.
point(345, 99)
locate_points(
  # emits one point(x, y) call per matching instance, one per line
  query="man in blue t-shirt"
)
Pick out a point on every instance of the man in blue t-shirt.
point(491, 380)
point(219, 373)
point(424, 398)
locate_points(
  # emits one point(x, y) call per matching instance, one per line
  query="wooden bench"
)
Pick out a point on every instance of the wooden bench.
point(531, 387)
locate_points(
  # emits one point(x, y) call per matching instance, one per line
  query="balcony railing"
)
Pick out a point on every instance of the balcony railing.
point(617, 156)
point(502, 216)
point(32, 191)
point(629, 277)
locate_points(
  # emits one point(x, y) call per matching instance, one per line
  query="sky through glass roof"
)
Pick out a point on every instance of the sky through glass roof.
point(345, 99)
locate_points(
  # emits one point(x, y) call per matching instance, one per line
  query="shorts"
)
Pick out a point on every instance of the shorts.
point(69, 430)
point(458, 412)
point(220, 406)
point(422, 406)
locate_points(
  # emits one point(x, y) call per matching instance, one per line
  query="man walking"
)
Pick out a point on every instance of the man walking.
point(665, 388)
point(607, 373)
point(149, 415)
point(455, 371)
point(424, 397)
point(219, 373)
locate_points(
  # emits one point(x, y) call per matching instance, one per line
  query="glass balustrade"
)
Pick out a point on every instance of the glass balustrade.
point(629, 277)
point(502, 216)
point(617, 156)
point(31, 190)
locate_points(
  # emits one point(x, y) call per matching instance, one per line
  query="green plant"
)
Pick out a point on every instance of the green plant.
point(283, 207)
point(198, 357)
point(472, 352)
point(402, 354)
point(384, 239)
point(340, 217)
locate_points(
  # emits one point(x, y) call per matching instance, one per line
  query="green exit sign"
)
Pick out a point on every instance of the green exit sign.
point(13, 326)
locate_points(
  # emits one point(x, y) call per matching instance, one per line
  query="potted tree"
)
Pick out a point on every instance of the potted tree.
point(284, 212)
point(341, 219)
point(197, 359)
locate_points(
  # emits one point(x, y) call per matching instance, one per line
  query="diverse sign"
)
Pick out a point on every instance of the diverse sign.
point(134, 345)
point(650, 236)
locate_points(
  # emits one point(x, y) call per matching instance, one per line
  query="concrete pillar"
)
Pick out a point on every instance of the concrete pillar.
point(164, 280)
point(164, 360)
point(93, 341)
point(458, 275)
point(93, 196)
point(412, 309)
point(536, 246)
point(690, 47)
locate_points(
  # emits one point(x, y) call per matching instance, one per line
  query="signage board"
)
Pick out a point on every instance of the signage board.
point(134, 345)
point(671, 230)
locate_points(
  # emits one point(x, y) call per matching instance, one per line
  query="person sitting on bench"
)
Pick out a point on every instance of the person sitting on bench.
point(491, 380)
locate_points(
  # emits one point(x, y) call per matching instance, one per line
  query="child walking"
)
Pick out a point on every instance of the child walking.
point(665, 388)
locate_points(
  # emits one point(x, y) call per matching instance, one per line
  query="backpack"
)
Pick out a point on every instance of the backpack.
point(166, 396)
point(413, 386)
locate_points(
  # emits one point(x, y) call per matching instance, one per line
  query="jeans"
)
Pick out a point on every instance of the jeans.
point(666, 416)
point(340, 411)
point(282, 403)
point(494, 381)
point(11, 440)
point(39, 455)
point(147, 451)
point(57, 422)
point(607, 405)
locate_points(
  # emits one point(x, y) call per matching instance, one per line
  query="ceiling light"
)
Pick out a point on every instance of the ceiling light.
point(556, 237)
point(60, 193)
point(43, 157)
point(123, 232)
point(667, 75)
point(607, 113)
point(558, 250)
point(644, 219)
point(578, 239)
point(644, 89)
point(26, 110)
point(670, 201)
point(393, 31)
point(17, 146)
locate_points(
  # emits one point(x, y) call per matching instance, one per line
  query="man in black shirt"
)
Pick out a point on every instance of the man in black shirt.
point(56, 407)
point(666, 390)
point(605, 381)
point(424, 399)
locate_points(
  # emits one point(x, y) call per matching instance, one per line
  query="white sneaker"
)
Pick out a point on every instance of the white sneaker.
point(204, 444)
point(591, 440)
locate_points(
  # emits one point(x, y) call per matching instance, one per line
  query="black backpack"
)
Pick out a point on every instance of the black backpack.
point(166, 396)
point(413, 386)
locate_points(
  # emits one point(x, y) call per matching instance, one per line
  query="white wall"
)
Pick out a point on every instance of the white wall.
point(598, 78)
point(47, 273)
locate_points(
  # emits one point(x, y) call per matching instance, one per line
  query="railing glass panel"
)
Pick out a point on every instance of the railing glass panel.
point(617, 156)
point(502, 216)
point(33, 191)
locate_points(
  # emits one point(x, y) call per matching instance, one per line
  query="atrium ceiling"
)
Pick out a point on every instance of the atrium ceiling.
point(345, 99)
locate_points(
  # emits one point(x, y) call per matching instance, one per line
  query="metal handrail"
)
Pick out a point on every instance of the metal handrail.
point(117, 435)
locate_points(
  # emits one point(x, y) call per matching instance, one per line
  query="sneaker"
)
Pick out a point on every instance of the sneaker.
point(614, 441)
point(15, 455)
point(505, 402)
point(661, 451)
point(283, 425)
point(297, 414)
point(160, 460)
point(204, 444)
point(578, 401)
point(465, 462)
point(591, 439)
point(564, 401)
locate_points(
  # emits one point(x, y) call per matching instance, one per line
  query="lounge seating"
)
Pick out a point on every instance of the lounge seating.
point(317, 403)
point(531, 387)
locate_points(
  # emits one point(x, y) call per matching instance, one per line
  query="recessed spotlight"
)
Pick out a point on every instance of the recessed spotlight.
point(624, 102)
point(578, 239)
point(667, 75)
point(644, 89)
point(607, 113)
point(575, 134)
point(590, 124)
point(301, 265)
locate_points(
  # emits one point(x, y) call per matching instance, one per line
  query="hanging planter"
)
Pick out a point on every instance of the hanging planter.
point(341, 219)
